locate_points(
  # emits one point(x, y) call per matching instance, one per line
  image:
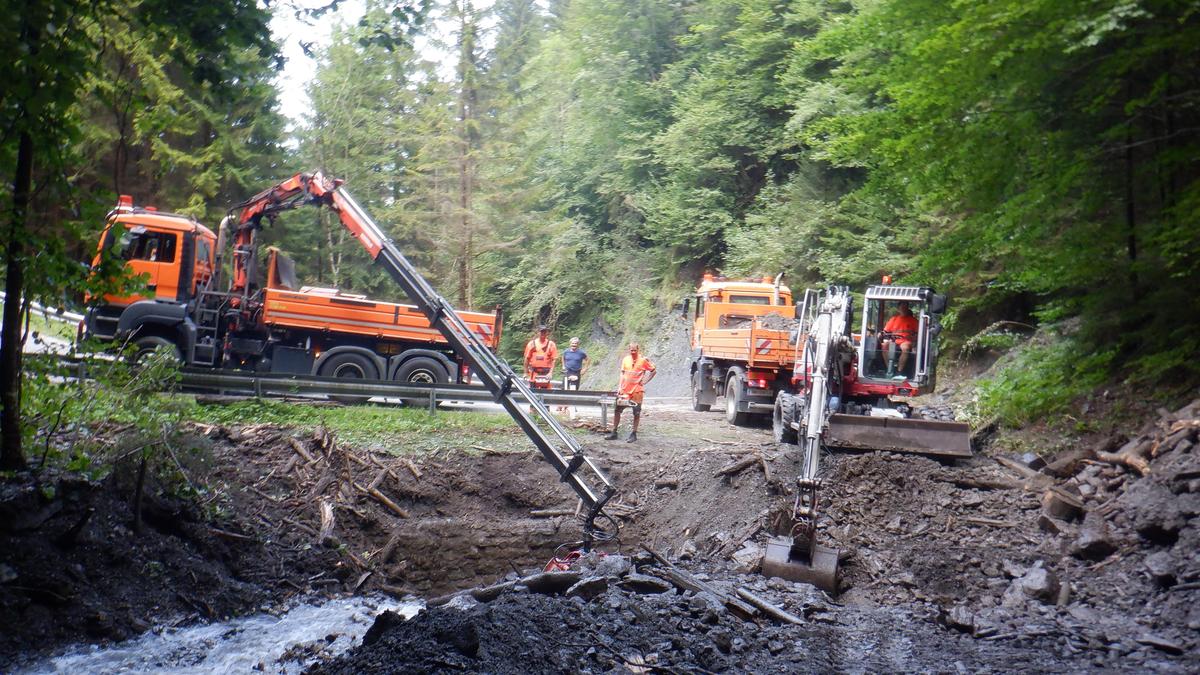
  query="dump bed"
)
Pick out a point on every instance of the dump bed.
point(756, 340)
point(328, 309)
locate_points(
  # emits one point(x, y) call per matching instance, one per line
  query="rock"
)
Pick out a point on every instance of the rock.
point(1038, 583)
point(1094, 542)
point(7, 573)
point(612, 566)
point(722, 639)
point(688, 551)
point(489, 593)
point(707, 606)
point(972, 498)
point(643, 583)
point(588, 588)
point(1162, 568)
point(462, 602)
point(1012, 569)
point(775, 647)
point(550, 583)
point(1161, 644)
point(959, 618)
point(748, 558)
point(383, 623)
point(1051, 525)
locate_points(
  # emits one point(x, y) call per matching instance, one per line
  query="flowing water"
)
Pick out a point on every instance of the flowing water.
point(248, 644)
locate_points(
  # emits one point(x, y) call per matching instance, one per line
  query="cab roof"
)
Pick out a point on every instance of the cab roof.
point(163, 221)
point(747, 287)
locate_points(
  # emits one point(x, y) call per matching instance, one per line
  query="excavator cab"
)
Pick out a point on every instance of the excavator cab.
point(914, 316)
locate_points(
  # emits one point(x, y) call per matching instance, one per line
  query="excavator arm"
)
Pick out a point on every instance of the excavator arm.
point(559, 447)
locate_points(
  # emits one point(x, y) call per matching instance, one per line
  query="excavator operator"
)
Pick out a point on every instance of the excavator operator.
point(540, 355)
point(900, 331)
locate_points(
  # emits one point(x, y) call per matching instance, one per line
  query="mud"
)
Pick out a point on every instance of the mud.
point(949, 565)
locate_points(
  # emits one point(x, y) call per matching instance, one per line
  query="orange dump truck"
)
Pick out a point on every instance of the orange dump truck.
point(740, 344)
point(264, 321)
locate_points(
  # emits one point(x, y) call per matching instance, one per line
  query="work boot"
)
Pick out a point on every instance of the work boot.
point(611, 436)
point(632, 437)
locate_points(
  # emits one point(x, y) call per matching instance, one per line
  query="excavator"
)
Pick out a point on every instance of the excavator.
point(840, 394)
point(560, 449)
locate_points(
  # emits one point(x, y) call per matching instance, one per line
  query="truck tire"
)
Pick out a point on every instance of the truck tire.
point(422, 370)
point(696, 404)
point(733, 396)
point(781, 419)
point(349, 366)
point(145, 346)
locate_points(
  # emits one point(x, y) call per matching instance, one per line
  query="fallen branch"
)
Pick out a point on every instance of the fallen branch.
point(385, 553)
point(709, 440)
point(989, 521)
point(769, 609)
point(672, 483)
point(1132, 455)
point(229, 535)
point(301, 451)
point(383, 499)
point(738, 466)
point(412, 468)
point(687, 582)
point(551, 513)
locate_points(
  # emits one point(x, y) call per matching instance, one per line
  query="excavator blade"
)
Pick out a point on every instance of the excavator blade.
point(784, 561)
point(922, 437)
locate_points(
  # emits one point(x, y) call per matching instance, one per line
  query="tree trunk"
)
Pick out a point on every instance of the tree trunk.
point(11, 455)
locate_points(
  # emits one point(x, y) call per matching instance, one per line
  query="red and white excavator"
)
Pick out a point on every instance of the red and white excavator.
point(841, 393)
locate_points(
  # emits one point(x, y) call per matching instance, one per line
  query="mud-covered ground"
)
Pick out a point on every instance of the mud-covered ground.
point(950, 566)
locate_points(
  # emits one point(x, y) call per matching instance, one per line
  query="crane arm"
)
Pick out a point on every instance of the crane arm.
point(559, 447)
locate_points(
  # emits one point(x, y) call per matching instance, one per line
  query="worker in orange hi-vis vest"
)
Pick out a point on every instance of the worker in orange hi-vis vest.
point(636, 371)
point(540, 355)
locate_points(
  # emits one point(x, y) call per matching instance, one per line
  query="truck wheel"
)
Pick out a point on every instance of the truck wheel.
point(784, 415)
point(733, 396)
point(422, 370)
point(349, 366)
point(145, 346)
point(696, 404)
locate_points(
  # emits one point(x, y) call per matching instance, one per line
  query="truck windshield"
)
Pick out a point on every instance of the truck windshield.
point(750, 299)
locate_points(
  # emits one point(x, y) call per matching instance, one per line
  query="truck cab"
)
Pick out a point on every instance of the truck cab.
point(174, 254)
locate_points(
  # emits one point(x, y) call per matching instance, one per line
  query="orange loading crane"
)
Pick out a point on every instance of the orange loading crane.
point(266, 325)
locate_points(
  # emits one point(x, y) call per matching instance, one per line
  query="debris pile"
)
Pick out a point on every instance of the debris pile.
point(1096, 550)
point(645, 614)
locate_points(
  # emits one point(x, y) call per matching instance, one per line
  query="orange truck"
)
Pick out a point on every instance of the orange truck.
point(263, 321)
point(740, 344)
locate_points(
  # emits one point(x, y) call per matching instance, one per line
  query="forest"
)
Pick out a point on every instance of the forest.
point(583, 164)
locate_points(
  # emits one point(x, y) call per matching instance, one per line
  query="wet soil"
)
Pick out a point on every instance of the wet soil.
point(949, 565)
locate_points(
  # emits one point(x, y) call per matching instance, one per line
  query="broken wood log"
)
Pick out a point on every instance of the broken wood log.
point(672, 483)
point(1060, 504)
point(738, 466)
point(412, 468)
point(301, 451)
point(229, 535)
point(378, 479)
point(1131, 455)
point(709, 440)
point(327, 522)
point(777, 613)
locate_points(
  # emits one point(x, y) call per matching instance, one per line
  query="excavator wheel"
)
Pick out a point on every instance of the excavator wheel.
point(781, 419)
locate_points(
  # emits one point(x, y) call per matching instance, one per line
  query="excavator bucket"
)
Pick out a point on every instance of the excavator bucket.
point(922, 437)
point(786, 560)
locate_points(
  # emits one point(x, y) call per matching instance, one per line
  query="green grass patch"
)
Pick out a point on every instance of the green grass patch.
point(403, 429)
point(1040, 380)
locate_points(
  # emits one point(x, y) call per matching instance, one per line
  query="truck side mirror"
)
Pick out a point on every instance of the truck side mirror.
point(683, 306)
point(799, 309)
point(937, 304)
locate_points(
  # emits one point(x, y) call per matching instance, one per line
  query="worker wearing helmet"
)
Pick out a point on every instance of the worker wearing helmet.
point(540, 355)
point(900, 331)
point(636, 371)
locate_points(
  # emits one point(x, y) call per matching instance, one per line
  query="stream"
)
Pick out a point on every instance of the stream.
point(283, 643)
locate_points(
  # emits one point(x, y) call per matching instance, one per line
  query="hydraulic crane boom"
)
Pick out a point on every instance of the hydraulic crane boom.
point(559, 447)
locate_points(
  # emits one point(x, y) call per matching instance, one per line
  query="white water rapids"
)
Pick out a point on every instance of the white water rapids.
point(249, 644)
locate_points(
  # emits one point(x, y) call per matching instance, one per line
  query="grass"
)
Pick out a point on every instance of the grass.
point(395, 429)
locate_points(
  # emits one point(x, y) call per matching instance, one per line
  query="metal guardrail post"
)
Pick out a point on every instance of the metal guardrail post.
point(604, 413)
point(432, 401)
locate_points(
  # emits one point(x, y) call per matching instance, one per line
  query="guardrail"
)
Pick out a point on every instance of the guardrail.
point(55, 313)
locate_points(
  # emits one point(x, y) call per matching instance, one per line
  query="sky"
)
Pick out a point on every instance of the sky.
point(289, 31)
